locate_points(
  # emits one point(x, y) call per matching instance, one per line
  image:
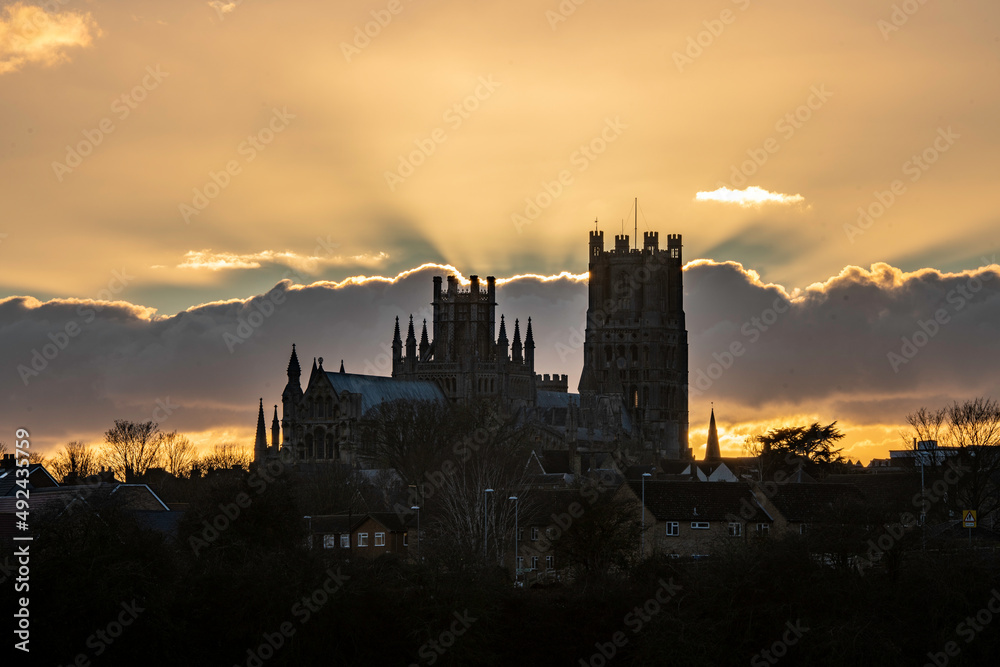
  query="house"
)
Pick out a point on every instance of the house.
point(137, 499)
point(690, 520)
point(38, 477)
point(367, 535)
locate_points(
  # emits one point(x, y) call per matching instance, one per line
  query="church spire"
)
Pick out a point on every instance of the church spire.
point(712, 452)
point(260, 444)
point(342, 366)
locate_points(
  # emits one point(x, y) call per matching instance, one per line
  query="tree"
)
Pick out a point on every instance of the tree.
point(132, 448)
point(226, 455)
point(809, 446)
point(974, 428)
point(178, 454)
point(412, 437)
point(491, 455)
point(75, 459)
point(604, 538)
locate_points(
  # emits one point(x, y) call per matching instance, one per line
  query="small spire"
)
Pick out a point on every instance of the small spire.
point(410, 336)
point(314, 365)
point(516, 347)
point(395, 336)
point(342, 366)
point(502, 338)
point(294, 370)
point(529, 340)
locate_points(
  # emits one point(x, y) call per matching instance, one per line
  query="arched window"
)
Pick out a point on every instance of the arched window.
point(308, 453)
point(329, 446)
point(635, 354)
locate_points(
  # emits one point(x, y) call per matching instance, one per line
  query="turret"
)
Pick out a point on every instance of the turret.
point(517, 357)
point(293, 389)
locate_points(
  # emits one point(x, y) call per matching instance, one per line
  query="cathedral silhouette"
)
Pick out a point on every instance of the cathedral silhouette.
point(632, 398)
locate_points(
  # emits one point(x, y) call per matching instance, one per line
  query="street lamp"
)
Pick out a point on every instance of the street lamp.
point(642, 516)
point(417, 507)
point(514, 498)
point(486, 525)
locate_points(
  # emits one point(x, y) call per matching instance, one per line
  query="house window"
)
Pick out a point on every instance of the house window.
point(380, 539)
point(534, 562)
point(362, 539)
point(735, 529)
point(329, 541)
point(802, 529)
point(520, 535)
point(550, 562)
point(534, 533)
point(763, 529)
point(673, 529)
point(520, 562)
point(406, 539)
point(699, 525)
point(345, 541)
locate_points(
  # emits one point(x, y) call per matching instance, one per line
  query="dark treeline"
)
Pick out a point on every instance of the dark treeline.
point(115, 593)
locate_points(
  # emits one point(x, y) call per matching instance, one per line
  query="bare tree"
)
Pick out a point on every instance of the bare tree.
point(76, 459)
point(926, 424)
point(491, 456)
point(132, 448)
point(412, 437)
point(974, 427)
point(178, 453)
point(226, 455)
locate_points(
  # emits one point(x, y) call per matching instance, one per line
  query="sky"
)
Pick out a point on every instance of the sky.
point(165, 167)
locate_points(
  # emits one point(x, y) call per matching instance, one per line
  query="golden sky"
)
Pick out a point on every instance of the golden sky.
point(175, 154)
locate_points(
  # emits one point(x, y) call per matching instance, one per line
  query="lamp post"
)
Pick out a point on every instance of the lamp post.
point(417, 507)
point(642, 516)
point(486, 524)
point(514, 498)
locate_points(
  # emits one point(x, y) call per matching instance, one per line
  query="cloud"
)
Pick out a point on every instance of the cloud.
point(310, 264)
point(222, 7)
point(749, 196)
point(29, 34)
point(761, 351)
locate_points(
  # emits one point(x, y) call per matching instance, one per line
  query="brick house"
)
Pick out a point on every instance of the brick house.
point(367, 535)
point(691, 519)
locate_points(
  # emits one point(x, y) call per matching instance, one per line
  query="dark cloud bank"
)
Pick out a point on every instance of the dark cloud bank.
point(865, 347)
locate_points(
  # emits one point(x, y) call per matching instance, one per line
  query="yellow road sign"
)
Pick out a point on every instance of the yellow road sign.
point(968, 518)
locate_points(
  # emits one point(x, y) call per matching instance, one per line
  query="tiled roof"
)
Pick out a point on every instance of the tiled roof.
point(705, 501)
point(805, 503)
point(378, 389)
